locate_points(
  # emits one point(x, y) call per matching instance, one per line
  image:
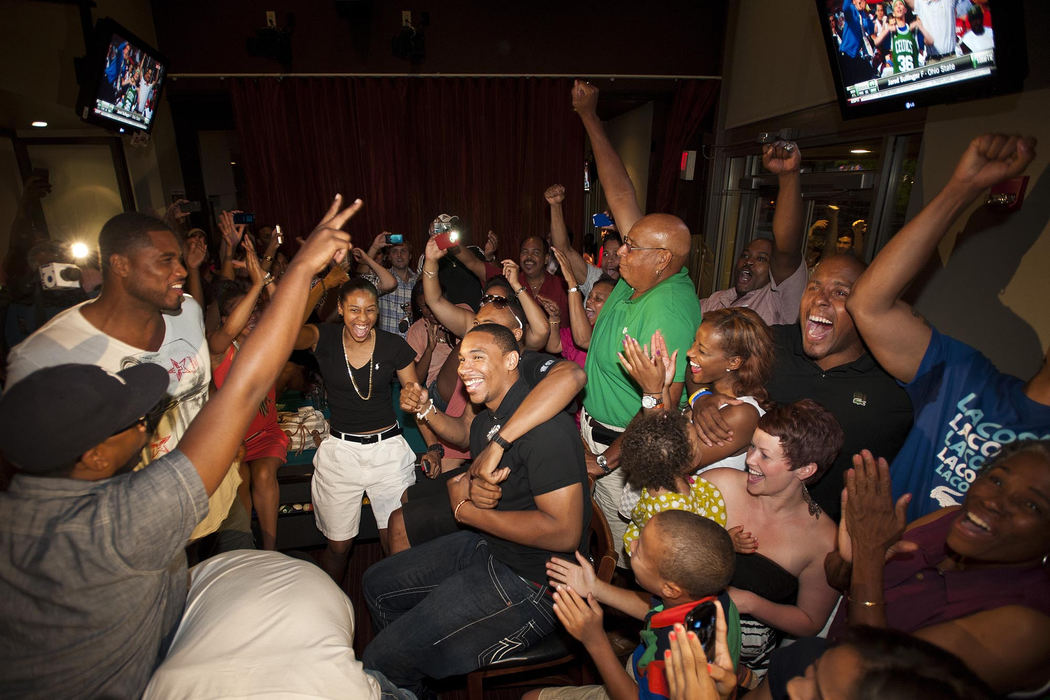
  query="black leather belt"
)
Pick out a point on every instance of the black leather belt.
point(600, 433)
point(369, 439)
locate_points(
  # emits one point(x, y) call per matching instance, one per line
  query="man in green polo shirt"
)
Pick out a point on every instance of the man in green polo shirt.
point(654, 293)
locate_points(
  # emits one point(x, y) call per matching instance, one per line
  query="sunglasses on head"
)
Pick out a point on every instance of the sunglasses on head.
point(497, 301)
point(501, 303)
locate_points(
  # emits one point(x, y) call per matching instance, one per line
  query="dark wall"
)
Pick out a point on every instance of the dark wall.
point(614, 37)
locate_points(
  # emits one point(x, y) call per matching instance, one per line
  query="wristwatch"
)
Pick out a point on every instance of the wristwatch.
point(494, 436)
point(499, 440)
point(652, 401)
point(603, 464)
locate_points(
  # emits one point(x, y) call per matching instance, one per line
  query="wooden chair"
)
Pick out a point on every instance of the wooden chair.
point(558, 648)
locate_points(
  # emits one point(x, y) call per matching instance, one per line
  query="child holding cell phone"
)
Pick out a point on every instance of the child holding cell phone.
point(683, 561)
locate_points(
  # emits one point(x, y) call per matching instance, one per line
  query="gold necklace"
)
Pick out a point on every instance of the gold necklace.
point(371, 358)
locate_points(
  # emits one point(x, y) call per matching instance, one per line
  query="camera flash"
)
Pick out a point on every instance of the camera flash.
point(80, 250)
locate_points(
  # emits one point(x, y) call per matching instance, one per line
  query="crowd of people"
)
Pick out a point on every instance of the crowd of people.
point(811, 492)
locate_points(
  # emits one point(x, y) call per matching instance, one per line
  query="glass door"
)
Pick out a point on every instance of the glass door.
point(855, 196)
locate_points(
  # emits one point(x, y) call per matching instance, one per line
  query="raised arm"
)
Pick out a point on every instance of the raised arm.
point(470, 261)
point(378, 243)
point(332, 281)
point(539, 329)
point(387, 283)
point(888, 26)
point(896, 336)
point(231, 238)
point(554, 320)
point(452, 317)
point(214, 436)
point(276, 239)
point(579, 325)
point(555, 196)
point(196, 252)
point(220, 340)
point(619, 190)
point(784, 160)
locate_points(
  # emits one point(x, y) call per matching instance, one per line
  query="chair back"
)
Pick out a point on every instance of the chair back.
point(603, 553)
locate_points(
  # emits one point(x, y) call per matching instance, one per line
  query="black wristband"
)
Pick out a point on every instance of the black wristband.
point(437, 447)
point(501, 441)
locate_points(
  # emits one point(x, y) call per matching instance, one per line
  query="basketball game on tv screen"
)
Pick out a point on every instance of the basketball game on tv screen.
point(890, 49)
point(130, 85)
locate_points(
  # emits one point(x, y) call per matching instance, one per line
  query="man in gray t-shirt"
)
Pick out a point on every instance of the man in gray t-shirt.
point(93, 572)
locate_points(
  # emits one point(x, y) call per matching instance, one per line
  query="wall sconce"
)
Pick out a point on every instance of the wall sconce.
point(1008, 194)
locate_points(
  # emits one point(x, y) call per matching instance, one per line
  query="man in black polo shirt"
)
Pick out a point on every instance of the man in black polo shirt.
point(822, 358)
point(464, 600)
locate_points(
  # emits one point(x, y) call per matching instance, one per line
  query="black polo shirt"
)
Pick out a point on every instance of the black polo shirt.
point(873, 410)
point(545, 459)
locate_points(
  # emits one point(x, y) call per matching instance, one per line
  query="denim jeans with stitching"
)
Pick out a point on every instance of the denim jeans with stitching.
point(448, 607)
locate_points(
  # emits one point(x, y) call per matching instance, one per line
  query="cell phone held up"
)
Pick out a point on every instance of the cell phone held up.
point(447, 239)
point(701, 620)
point(243, 218)
point(394, 239)
point(601, 220)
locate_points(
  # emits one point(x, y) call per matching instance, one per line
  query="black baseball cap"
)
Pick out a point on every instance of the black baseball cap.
point(58, 413)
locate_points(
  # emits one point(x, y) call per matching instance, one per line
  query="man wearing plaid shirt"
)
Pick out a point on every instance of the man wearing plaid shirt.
point(396, 304)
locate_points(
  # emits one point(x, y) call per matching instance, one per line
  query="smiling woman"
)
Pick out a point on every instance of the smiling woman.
point(365, 452)
point(970, 579)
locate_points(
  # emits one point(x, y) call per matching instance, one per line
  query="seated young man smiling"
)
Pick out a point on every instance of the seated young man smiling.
point(464, 600)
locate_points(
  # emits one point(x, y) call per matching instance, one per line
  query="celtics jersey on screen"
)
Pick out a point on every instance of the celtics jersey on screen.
point(905, 50)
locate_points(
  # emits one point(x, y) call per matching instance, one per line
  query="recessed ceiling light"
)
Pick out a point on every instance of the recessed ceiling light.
point(39, 124)
point(859, 151)
point(233, 162)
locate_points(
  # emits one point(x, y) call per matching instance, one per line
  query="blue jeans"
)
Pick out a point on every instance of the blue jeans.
point(447, 607)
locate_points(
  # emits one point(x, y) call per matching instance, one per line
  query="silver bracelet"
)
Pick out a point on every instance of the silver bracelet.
point(423, 415)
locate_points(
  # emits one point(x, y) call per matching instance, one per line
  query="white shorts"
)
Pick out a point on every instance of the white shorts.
point(344, 471)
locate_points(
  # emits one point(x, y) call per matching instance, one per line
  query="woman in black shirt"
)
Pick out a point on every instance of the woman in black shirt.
point(365, 452)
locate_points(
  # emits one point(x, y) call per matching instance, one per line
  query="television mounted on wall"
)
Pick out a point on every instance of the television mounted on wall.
point(122, 80)
point(891, 56)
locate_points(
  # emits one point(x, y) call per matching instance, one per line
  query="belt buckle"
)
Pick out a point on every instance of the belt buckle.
point(372, 439)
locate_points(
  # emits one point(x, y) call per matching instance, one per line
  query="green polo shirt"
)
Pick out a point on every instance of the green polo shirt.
point(611, 396)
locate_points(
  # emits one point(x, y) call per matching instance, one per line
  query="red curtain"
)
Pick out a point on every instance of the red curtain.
point(481, 148)
point(692, 101)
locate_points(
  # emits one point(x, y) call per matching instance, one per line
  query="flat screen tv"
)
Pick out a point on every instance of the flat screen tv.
point(895, 55)
point(122, 80)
